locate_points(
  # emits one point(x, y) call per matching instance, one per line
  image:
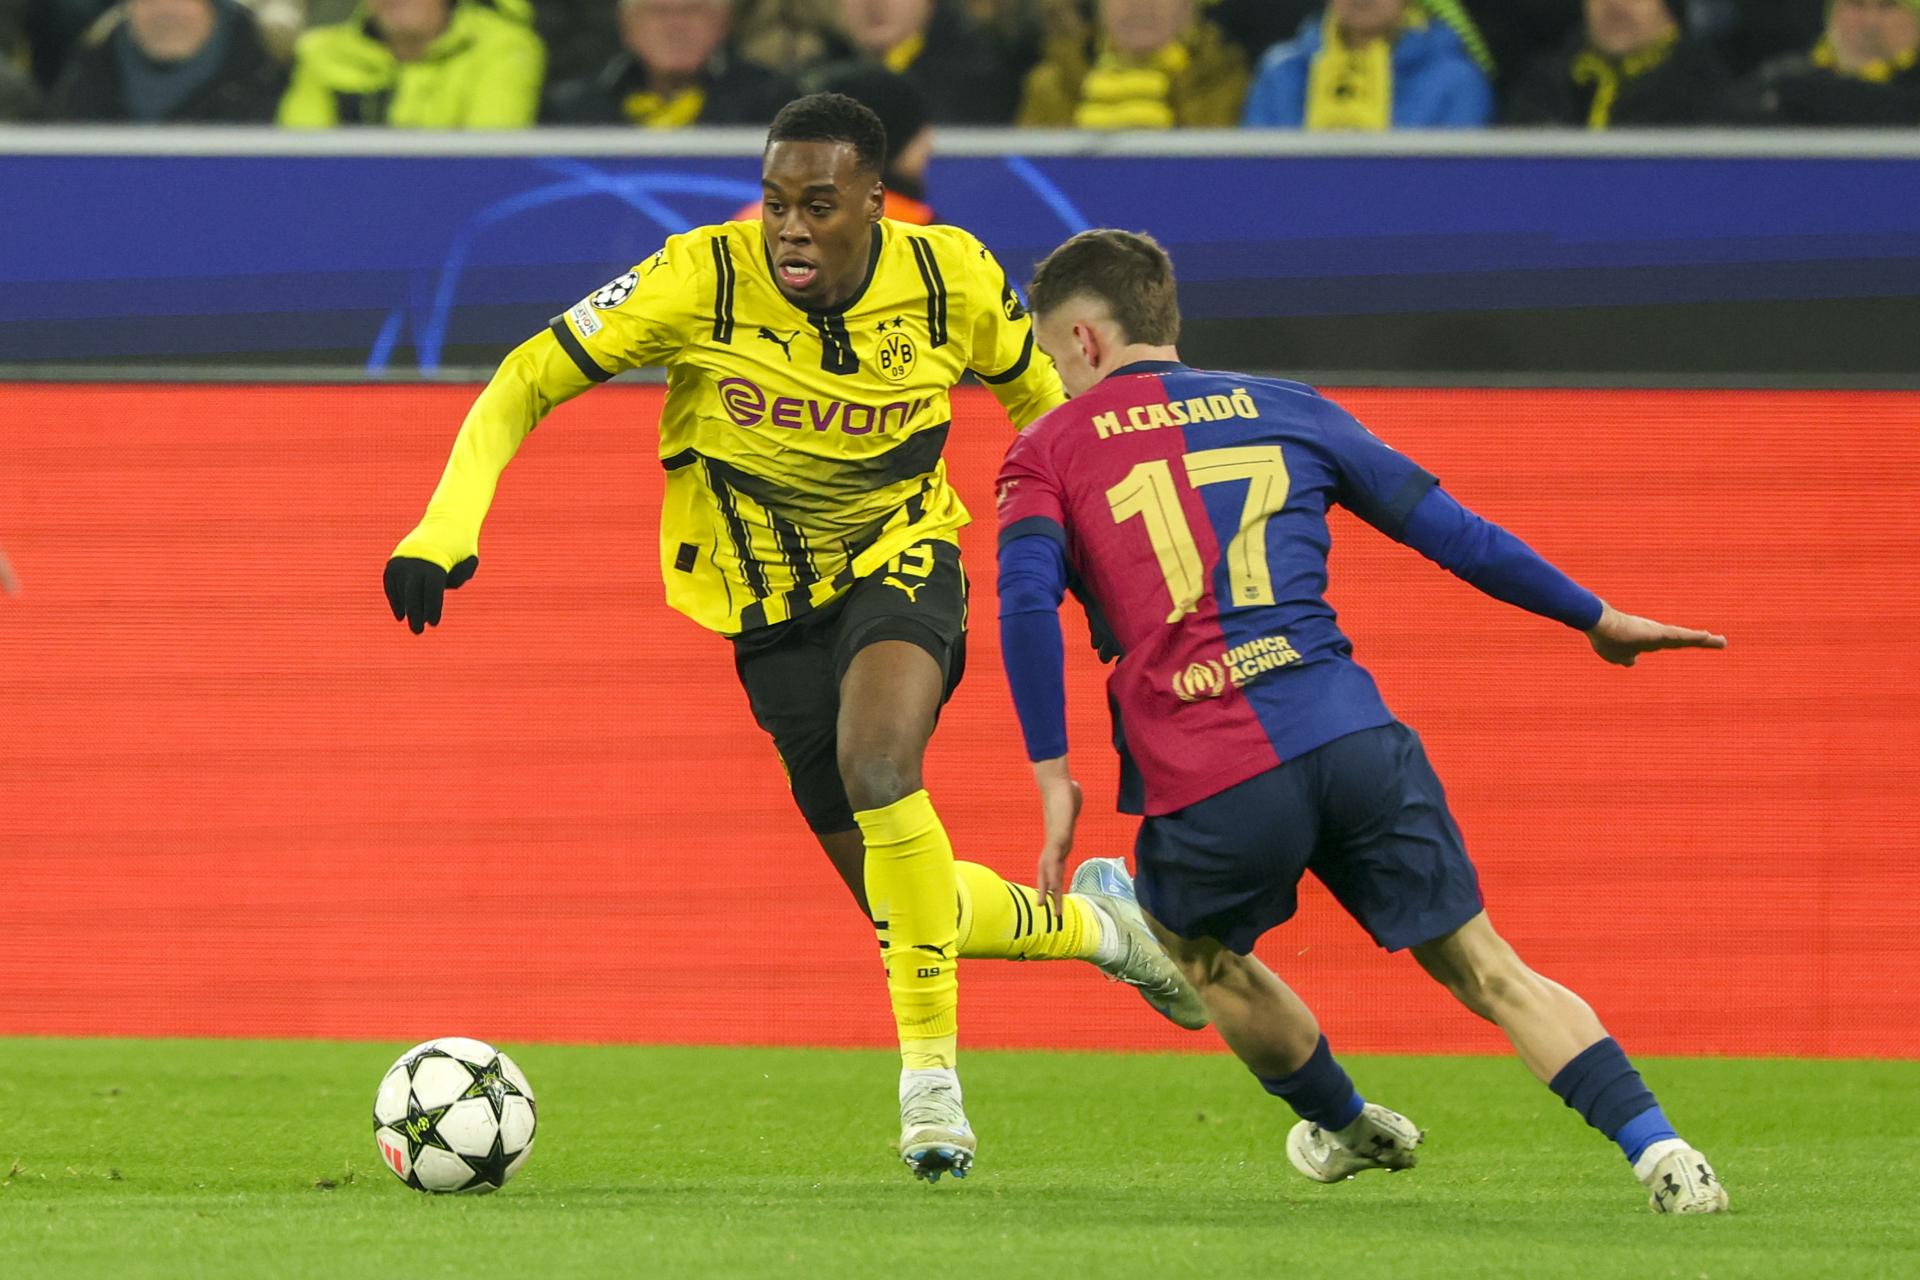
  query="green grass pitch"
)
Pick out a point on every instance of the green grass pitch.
point(256, 1159)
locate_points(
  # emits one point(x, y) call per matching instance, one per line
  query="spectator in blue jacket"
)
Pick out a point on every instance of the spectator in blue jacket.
point(1371, 64)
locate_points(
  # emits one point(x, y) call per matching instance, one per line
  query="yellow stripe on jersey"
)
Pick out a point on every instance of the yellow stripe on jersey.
point(802, 448)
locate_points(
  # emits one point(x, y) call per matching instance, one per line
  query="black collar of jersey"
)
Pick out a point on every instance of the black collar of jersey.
point(873, 265)
point(1148, 366)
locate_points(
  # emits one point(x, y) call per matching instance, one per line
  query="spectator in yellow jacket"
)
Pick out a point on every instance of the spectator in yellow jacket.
point(1149, 64)
point(418, 64)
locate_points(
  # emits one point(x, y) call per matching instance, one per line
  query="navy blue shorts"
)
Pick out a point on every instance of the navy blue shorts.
point(1365, 813)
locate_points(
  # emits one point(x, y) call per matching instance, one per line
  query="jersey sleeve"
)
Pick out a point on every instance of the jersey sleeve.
point(1480, 552)
point(537, 375)
point(1003, 353)
point(639, 318)
point(645, 316)
point(1033, 580)
point(1377, 482)
point(1029, 495)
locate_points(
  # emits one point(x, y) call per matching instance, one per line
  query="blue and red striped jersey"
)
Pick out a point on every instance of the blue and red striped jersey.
point(1192, 507)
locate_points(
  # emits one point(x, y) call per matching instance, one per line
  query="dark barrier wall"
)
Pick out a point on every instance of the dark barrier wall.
point(1557, 266)
point(237, 798)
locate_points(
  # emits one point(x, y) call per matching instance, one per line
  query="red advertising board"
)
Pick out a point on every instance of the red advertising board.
point(237, 798)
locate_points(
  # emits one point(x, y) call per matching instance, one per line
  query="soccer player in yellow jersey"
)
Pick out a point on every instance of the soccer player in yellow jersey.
point(807, 516)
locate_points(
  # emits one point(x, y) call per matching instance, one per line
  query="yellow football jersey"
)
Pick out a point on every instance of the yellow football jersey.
point(802, 448)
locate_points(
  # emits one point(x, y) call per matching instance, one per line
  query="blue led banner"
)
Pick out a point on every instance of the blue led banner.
point(420, 261)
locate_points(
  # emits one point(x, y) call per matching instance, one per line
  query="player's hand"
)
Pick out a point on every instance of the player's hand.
point(1060, 807)
point(1620, 638)
point(416, 588)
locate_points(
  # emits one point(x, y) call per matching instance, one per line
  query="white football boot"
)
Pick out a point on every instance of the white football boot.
point(935, 1137)
point(1678, 1179)
point(1379, 1139)
point(1139, 962)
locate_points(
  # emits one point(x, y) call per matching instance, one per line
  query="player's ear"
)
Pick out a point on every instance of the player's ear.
point(1090, 344)
point(876, 201)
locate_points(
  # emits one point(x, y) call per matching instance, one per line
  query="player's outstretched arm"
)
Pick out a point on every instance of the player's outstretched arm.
point(1486, 555)
point(442, 551)
point(641, 317)
point(1621, 638)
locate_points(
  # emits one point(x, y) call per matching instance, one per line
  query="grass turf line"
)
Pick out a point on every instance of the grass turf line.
point(211, 1158)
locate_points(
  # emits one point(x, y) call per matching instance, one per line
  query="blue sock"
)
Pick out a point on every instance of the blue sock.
point(1320, 1091)
point(1608, 1093)
point(1641, 1132)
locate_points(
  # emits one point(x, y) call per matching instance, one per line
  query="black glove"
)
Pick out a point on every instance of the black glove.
point(416, 587)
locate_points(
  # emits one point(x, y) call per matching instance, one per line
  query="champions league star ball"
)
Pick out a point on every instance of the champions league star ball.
point(454, 1115)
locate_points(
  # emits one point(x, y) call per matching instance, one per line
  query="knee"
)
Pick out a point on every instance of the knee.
point(876, 776)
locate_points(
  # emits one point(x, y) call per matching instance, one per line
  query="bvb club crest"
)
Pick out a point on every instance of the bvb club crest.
point(897, 357)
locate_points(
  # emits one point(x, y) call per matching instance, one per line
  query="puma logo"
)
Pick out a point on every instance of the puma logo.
point(785, 344)
point(912, 593)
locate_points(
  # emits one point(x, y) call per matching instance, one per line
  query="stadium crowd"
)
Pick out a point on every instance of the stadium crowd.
point(1091, 64)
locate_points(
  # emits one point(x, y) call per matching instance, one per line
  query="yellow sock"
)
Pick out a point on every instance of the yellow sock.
point(1006, 921)
point(911, 889)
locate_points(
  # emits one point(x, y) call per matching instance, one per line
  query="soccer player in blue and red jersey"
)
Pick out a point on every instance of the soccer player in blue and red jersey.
point(1190, 509)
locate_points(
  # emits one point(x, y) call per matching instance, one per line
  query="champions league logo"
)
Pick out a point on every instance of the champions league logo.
point(614, 292)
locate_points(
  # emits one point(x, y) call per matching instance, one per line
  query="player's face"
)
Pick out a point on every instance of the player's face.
point(1055, 332)
point(817, 209)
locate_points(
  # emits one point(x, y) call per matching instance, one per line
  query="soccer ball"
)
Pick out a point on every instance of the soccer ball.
point(454, 1115)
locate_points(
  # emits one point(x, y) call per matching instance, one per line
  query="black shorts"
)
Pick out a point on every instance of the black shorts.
point(792, 670)
point(1365, 813)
